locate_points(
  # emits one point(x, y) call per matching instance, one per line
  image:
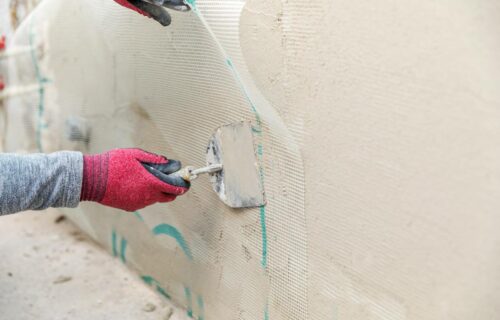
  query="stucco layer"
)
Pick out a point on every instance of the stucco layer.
point(377, 131)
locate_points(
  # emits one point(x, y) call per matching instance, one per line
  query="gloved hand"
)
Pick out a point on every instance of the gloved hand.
point(130, 179)
point(154, 8)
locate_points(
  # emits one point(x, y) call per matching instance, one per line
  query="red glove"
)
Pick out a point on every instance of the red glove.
point(148, 9)
point(130, 179)
point(129, 5)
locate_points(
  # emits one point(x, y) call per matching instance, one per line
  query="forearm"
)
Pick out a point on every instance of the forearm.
point(40, 181)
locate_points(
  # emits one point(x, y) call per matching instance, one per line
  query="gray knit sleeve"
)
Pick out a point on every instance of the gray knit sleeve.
point(40, 181)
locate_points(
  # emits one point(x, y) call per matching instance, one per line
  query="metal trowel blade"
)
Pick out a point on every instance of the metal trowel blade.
point(239, 184)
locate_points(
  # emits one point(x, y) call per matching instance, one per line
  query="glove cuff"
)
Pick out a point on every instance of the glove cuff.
point(95, 177)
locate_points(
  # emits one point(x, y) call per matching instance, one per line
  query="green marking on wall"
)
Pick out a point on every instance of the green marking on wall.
point(148, 279)
point(260, 150)
point(171, 231)
point(138, 215)
point(201, 308)
point(192, 5)
point(153, 282)
point(260, 153)
point(123, 249)
point(189, 302)
point(256, 130)
point(264, 236)
point(113, 243)
point(259, 131)
point(163, 292)
point(114, 246)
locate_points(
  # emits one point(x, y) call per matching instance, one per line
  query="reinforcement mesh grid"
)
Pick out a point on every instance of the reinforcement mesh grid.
point(393, 105)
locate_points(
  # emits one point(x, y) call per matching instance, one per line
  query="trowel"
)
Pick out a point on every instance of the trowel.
point(232, 166)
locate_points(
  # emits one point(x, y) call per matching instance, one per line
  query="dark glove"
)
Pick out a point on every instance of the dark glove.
point(155, 8)
point(130, 179)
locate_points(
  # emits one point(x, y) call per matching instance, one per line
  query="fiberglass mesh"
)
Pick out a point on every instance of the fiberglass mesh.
point(137, 84)
point(393, 106)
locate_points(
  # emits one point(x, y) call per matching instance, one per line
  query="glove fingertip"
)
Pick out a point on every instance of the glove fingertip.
point(169, 180)
point(177, 181)
point(169, 167)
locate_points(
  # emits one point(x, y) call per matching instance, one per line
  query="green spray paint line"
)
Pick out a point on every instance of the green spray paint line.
point(258, 130)
point(138, 215)
point(192, 3)
point(123, 250)
point(41, 91)
point(260, 153)
point(171, 231)
point(114, 247)
point(113, 243)
point(153, 282)
point(260, 150)
point(189, 303)
point(201, 308)
point(266, 313)
point(264, 236)
point(148, 279)
point(163, 292)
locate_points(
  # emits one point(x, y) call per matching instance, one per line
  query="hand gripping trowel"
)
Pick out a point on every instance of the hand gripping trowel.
point(232, 166)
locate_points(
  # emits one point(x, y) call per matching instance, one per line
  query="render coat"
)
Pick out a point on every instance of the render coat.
point(376, 126)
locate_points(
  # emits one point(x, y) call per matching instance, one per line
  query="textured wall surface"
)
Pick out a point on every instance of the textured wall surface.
point(376, 126)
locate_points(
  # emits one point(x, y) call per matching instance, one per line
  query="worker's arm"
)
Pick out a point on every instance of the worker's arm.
point(128, 179)
point(39, 181)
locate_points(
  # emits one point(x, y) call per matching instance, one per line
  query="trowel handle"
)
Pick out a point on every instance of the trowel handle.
point(191, 173)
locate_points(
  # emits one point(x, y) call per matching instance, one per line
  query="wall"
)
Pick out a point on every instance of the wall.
point(377, 131)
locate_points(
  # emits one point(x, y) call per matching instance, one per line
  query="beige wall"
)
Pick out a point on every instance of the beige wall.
point(397, 105)
point(381, 148)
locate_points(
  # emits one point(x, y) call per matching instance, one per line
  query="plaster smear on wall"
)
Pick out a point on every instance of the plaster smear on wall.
point(377, 129)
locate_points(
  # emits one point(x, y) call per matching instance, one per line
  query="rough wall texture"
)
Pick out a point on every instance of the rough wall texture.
point(377, 130)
